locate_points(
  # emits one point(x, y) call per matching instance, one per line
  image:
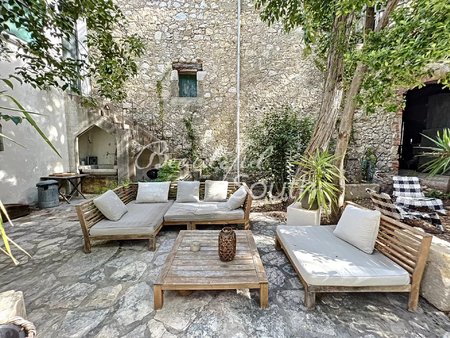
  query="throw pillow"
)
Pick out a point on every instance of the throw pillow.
point(110, 205)
point(359, 227)
point(237, 199)
point(216, 191)
point(188, 191)
point(153, 192)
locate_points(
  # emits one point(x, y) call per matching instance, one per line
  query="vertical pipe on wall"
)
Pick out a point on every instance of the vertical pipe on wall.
point(238, 89)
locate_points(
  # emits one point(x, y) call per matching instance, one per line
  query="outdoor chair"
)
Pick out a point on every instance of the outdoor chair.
point(409, 196)
point(384, 203)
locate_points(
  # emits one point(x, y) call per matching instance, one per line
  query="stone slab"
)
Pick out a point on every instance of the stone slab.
point(436, 280)
point(72, 294)
point(11, 305)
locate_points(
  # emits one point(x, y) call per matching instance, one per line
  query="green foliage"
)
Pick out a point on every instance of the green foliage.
point(218, 168)
point(397, 57)
point(368, 164)
point(159, 95)
point(272, 143)
point(440, 153)
point(169, 171)
point(110, 61)
point(18, 114)
point(192, 151)
point(314, 17)
point(6, 240)
point(433, 193)
point(316, 180)
point(401, 55)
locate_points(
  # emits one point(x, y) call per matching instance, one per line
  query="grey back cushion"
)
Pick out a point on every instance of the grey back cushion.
point(216, 191)
point(188, 191)
point(237, 199)
point(359, 227)
point(110, 205)
point(153, 192)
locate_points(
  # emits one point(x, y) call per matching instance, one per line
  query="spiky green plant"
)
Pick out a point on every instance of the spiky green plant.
point(6, 240)
point(440, 153)
point(316, 180)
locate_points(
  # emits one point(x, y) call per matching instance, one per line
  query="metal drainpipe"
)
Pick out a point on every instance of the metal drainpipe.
point(238, 89)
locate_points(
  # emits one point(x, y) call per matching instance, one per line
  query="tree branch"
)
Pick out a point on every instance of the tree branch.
point(391, 5)
point(369, 23)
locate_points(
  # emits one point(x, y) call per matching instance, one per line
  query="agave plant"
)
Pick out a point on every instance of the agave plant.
point(6, 240)
point(23, 114)
point(440, 154)
point(317, 176)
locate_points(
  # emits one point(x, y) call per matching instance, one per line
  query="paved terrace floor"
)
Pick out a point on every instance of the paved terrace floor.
point(108, 293)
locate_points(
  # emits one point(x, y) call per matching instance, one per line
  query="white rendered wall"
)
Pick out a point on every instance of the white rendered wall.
point(21, 168)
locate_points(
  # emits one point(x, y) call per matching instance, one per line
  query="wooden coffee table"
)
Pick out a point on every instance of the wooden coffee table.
point(203, 270)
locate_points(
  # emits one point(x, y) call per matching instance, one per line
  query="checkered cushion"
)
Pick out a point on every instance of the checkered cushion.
point(407, 187)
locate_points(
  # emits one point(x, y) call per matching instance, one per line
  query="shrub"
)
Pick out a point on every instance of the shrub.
point(169, 171)
point(273, 142)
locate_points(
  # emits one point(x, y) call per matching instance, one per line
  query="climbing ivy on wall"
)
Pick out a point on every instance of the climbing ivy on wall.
point(159, 95)
point(192, 137)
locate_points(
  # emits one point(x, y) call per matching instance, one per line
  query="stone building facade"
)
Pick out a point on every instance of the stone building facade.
point(274, 73)
point(202, 35)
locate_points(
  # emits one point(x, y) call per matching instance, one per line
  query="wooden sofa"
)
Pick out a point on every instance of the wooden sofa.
point(89, 215)
point(400, 243)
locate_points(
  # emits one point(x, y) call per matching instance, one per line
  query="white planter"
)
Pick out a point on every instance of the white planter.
point(296, 215)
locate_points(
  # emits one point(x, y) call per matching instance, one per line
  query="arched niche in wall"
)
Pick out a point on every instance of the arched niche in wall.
point(97, 147)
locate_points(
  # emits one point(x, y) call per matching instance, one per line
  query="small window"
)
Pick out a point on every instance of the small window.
point(2, 148)
point(20, 32)
point(187, 85)
point(70, 51)
point(186, 79)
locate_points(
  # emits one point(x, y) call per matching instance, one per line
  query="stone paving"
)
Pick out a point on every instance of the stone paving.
point(108, 293)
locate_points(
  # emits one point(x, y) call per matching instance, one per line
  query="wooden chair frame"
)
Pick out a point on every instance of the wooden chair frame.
point(89, 215)
point(401, 243)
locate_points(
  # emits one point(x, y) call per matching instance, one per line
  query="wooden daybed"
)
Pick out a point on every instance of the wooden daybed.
point(405, 247)
point(89, 216)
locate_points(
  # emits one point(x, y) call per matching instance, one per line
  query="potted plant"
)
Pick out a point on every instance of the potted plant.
point(317, 174)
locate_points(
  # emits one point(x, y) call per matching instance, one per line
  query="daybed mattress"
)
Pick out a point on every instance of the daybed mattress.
point(323, 259)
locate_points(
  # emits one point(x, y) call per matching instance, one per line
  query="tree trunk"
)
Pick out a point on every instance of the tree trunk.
point(348, 113)
point(345, 126)
point(333, 88)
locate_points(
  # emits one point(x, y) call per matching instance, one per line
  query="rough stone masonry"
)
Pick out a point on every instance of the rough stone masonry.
point(274, 73)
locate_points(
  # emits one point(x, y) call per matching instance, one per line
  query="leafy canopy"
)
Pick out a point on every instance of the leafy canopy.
point(398, 56)
point(107, 57)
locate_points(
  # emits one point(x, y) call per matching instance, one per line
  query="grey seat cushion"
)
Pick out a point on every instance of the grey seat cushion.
point(141, 219)
point(202, 211)
point(323, 259)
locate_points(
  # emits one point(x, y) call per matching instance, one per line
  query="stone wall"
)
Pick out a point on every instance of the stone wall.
point(380, 131)
point(273, 71)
